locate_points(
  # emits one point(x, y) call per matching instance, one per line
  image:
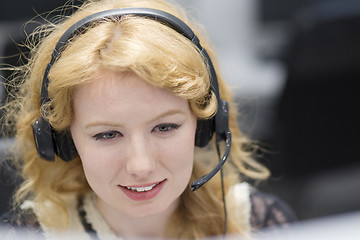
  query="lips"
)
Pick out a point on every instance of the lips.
point(143, 192)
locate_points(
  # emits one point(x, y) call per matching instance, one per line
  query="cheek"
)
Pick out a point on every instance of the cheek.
point(94, 158)
point(95, 164)
point(180, 155)
point(99, 164)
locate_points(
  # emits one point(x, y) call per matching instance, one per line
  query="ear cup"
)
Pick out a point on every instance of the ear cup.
point(43, 139)
point(48, 142)
point(204, 132)
point(219, 124)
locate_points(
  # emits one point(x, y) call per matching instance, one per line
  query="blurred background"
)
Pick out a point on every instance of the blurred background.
point(293, 68)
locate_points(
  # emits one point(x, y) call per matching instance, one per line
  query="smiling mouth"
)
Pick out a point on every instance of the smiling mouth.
point(143, 192)
point(143, 188)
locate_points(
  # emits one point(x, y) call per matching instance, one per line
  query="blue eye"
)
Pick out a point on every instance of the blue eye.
point(107, 135)
point(166, 127)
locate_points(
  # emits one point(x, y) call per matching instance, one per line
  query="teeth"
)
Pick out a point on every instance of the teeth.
point(141, 189)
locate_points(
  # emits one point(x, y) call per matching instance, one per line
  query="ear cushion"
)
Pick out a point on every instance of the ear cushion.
point(204, 132)
point(64, 145)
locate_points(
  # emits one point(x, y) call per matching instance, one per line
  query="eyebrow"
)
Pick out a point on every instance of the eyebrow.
point(112, 124)
point(168, 113)
point(101, 123)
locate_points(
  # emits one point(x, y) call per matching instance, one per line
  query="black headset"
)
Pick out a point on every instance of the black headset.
point(50, 142)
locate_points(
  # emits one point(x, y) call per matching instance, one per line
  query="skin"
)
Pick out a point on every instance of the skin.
point(129, 133)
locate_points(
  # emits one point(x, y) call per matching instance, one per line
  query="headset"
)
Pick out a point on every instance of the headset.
point(49, 142)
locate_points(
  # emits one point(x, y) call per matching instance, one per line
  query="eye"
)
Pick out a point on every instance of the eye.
point(107, 135)
point(166, 127)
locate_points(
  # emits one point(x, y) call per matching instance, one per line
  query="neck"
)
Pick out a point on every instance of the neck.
point(153, 226)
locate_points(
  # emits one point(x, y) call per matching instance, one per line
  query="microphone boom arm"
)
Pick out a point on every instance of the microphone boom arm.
point(201, 181)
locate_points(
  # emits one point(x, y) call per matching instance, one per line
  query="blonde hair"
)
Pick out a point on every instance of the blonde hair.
point(157, 54)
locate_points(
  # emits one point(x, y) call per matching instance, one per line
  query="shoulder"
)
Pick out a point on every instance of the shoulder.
point(258, 209)
point(268, 210)
point(18, 222)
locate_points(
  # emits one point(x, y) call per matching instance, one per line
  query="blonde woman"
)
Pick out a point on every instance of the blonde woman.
point(119, 116)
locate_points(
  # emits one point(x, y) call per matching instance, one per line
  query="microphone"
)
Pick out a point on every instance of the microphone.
point(222, 132)
point(204, 179)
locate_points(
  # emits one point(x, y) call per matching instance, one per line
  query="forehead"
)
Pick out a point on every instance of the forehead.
point(119, 84)
point(123, 91)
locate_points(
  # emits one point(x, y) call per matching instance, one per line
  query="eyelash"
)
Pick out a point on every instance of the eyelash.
point(168, 126)
point(105, 135)
point(161, 128)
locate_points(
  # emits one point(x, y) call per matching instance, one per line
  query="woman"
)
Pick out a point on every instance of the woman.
point(127, 100)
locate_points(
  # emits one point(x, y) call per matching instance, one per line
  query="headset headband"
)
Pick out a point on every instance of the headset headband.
point(158, 15)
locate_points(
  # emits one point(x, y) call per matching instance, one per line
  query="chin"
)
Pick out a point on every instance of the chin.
point(157, 208)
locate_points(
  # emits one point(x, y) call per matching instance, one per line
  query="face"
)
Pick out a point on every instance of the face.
point(136, 143)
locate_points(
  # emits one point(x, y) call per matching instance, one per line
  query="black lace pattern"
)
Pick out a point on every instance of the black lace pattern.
point(268, 211)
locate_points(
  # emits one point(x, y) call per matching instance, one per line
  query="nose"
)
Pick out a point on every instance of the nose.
point(141, 161)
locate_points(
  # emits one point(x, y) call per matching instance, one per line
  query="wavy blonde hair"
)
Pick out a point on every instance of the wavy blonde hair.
point(157, 54)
